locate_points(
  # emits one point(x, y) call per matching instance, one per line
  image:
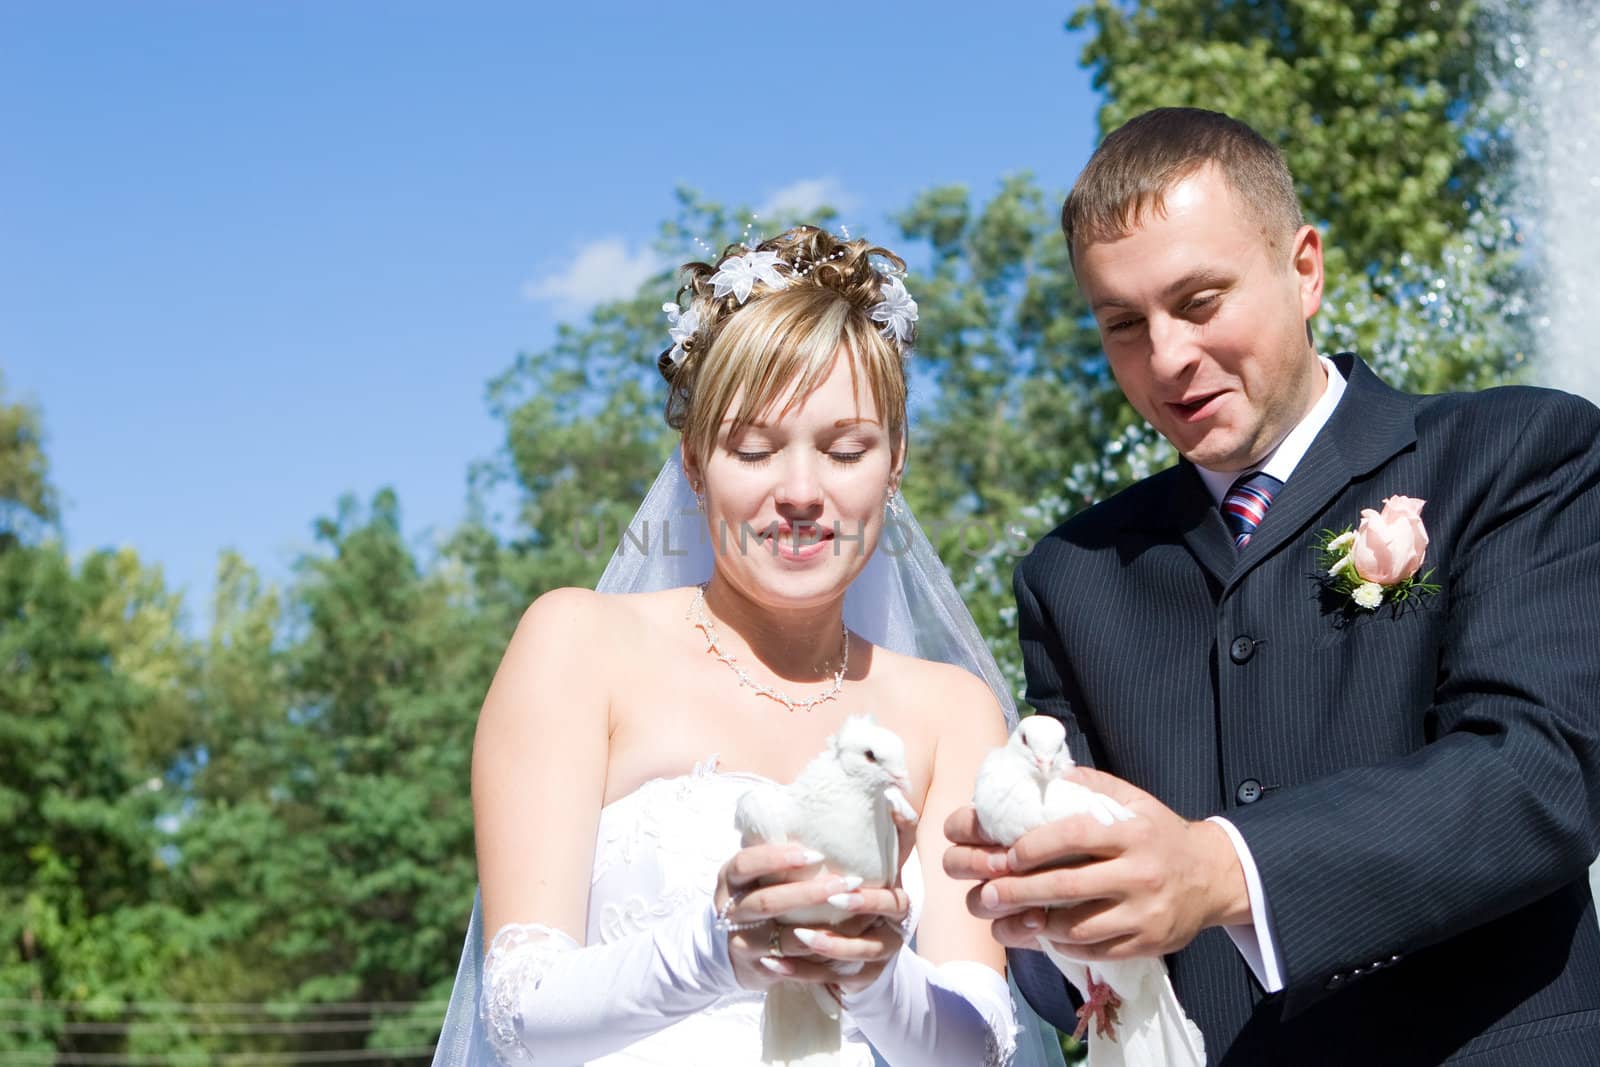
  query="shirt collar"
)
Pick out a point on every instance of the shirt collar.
point(1282, 460)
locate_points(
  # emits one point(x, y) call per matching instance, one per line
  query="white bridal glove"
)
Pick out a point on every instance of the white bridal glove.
point(547, 999)
point(919, 1015)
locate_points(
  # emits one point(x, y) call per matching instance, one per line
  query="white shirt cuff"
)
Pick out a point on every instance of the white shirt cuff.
point(1254, 941)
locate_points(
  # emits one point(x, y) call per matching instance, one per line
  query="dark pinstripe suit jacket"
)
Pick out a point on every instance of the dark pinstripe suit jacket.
point(1420, 789)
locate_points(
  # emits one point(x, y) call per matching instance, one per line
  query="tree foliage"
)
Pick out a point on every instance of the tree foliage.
point(27, 498)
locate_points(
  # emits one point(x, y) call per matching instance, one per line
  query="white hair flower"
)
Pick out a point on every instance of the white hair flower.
point(682, 325)
point(738, 275)
point(897, 311)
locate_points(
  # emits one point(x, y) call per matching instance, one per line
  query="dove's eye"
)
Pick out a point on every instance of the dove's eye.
point(872, 757)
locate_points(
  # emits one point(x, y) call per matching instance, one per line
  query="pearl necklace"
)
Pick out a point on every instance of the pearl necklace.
point(698, 615)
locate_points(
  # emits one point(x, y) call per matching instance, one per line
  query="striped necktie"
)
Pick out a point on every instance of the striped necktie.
point(1246, 505)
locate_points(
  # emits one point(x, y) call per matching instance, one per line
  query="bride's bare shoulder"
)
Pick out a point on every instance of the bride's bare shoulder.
point(952, 700)
point(574, 646)
point(584, 620)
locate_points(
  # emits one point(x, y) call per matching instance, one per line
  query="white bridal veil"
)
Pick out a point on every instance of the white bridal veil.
point(903, 600)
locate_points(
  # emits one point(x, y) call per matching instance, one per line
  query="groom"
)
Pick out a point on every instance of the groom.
point(1397, 805)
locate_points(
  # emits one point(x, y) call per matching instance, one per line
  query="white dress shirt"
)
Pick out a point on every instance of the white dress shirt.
point(1254, 941)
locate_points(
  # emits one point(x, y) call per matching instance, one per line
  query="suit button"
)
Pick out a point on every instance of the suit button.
point(1249, 791)
point(1241, 650)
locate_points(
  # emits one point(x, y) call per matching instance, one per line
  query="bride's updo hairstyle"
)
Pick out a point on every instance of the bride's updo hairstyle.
point(764, 318)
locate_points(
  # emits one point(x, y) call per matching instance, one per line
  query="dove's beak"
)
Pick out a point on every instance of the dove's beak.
point(902, 783)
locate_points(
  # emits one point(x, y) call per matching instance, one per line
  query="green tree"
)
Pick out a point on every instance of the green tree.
point(27, 499)
point(84, 909)
point(333, 843)
point(140, 621)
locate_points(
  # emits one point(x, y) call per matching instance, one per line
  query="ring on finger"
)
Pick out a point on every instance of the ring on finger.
point(775, 942)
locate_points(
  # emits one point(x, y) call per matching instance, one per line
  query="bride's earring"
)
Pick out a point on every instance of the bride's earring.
point(699, 497)
point(892, 502)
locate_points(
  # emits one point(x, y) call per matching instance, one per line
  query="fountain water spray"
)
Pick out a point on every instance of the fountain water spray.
point(1556, 129)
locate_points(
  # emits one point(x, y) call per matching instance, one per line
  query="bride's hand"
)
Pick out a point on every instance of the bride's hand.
point(856, 950)
point(765, 881)
point(759, 883)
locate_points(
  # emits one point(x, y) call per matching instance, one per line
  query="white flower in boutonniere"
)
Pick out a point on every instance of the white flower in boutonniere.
point(681, 327)
point(1379, 559)
point(1367, 595)
point(738, 275)
point(897, 311)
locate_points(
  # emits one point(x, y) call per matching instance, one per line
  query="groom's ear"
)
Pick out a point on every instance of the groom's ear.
point(1306, 258)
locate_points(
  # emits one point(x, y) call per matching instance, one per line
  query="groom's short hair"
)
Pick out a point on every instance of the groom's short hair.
point(1131, 171)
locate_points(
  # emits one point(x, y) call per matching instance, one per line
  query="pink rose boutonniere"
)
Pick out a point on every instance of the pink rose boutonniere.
point(1379, 559)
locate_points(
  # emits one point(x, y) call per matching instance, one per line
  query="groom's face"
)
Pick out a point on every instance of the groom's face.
point(1202, 318)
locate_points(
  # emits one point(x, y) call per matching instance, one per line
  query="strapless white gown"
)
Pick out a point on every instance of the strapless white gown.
point(658, 850)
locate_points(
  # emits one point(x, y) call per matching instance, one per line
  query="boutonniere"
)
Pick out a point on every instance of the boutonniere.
point(1379, 559)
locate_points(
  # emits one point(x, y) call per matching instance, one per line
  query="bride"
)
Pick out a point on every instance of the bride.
point(771, 586)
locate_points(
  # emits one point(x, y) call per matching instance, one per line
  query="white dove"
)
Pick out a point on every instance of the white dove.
point(1139, 1020)
point(842, 805)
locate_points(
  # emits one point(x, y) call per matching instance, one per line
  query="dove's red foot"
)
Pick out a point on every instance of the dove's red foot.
point(1102, 1007)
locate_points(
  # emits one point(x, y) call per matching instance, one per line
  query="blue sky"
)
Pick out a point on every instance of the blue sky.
point(257, 255)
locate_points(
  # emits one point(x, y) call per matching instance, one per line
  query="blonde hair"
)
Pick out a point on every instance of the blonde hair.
point(785, 338)
point(1131, 171)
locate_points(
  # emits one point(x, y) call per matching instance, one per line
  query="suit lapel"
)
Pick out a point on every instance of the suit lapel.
point(1199, 522)
point(1371, 424)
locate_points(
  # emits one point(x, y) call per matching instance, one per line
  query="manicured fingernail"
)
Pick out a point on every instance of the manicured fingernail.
point(1032, 921)
point(804, 857)
point(776, 966)
point(844, 901)
point(990, 897)
point(808, 938)
point(846, 885)
point(999, 861)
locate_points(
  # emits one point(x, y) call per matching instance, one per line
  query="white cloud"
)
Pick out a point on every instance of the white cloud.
point(600, 271)
point(800, 199)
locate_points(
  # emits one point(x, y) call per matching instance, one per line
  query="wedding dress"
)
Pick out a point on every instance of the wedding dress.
point(658, 850)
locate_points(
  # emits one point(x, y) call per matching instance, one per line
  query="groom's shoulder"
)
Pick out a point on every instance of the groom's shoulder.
point(1509, 417)
point(1505, 400)
point(1100, 527)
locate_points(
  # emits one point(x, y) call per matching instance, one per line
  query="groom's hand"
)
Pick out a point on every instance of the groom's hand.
point(1143, 887)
